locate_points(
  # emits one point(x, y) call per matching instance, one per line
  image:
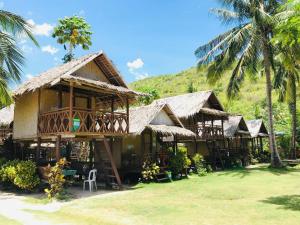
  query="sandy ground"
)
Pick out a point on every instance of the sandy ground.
point(14, 207)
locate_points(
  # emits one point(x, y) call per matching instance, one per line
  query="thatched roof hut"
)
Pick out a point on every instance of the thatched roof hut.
point(234, 126)
point(158, 118)
point(257, 128)
point(7, 116)
point(188, 105)
point(67, 72)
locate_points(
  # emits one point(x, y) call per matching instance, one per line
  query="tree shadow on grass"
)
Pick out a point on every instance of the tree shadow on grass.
point(290, 202)
point(243, 172)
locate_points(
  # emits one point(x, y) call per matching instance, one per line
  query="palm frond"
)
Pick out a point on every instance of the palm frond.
point(16, 25)
point(227, 16)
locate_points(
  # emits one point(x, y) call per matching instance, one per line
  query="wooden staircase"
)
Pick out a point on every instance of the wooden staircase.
point(215, 155)
point(110, 172)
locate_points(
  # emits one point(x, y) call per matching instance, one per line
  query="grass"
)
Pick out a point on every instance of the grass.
point(7, 221)
point(253, 196)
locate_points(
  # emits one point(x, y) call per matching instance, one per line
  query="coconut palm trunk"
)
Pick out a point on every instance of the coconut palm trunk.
point(275, 158)
point(293, 110)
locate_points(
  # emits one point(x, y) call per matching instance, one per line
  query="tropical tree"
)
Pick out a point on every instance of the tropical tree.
point(12, 27)
point(71, 32)
point(287, 43)
point(241, 49)
point(286, 80)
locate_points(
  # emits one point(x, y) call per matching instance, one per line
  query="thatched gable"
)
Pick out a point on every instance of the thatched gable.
point(7, 116)
point(187, 105)
point(67, 72)
point(257, 128)
point(141, 118)
point(234, 126)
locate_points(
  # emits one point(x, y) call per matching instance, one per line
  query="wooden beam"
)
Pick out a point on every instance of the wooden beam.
point(59, 105)
point(113, 165)
point(57, 148)
point(71, 108)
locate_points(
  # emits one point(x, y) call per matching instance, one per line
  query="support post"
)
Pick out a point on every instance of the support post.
point(38, 150)
point(113, 165)
point(261, 144)
point(59, 105)
point(57, 148)
point(112, 128)
point(39, 111)
point(71, 108)
point(127, 112)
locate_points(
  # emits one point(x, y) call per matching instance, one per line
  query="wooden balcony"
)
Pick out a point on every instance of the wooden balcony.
point(82, 122)
point(207, 132)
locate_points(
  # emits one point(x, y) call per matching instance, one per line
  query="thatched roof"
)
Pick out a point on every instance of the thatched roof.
point(257, 128)
point(140, 118)
point(234, 126)
point(171, 130)
point(187, 105)
point(7, 116)
point(66, 71)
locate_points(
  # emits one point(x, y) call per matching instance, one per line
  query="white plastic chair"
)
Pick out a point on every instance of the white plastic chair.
point(91, 180)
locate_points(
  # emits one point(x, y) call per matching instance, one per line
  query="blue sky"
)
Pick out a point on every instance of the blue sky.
point(142, 37)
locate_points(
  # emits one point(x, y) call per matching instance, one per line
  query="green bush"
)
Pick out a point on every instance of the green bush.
point(21, 174)
point(8, 172)
point(150, 170)
point(179, 160)
point(201, 168)
point(26, 176)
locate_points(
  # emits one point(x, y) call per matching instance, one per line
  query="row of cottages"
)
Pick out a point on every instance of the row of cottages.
point(80, 110)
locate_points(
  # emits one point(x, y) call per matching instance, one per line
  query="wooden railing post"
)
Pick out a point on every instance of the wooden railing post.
point(71, 108)
point(112, 117)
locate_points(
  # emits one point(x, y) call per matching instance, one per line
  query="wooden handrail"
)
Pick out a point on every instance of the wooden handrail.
point(90, 121)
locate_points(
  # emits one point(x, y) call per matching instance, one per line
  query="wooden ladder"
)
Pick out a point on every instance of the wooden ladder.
point(110, 168)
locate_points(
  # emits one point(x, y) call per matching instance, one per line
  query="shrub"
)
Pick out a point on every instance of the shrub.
point(56, 179)
point(150, 170)
point(200, 165)
point(8, 171)
point(179, 161)
point(21, 174)
point(26, 176)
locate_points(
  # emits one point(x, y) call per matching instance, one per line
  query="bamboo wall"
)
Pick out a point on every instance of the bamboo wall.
point(26, 116)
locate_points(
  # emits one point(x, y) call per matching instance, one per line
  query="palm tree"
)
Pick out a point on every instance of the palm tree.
point(286, 80)
point(241, 48)
point(12, 27)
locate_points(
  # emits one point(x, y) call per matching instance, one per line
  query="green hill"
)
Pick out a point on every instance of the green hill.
point(251, 102)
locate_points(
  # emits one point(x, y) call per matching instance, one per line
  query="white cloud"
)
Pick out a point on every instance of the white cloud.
point(1, 5)
point(43, 29)
point(50, 49)
point(135, 64)
point(29, 76)
point(26, 48)
point(135, 67)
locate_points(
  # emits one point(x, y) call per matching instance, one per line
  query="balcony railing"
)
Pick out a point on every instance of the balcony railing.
point(83, 121)
point(207, 131)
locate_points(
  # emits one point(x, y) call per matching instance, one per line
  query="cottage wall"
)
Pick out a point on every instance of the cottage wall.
point(91, 71)
point(194, 148)
point(162, 118)
point(26, 116)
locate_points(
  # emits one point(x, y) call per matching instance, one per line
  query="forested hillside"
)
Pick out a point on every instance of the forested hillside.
point(250, 102)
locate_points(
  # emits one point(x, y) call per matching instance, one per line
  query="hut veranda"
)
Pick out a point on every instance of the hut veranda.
point(81, 111)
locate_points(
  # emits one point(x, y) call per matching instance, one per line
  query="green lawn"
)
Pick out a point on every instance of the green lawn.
point(253, 196)
point(7, 221)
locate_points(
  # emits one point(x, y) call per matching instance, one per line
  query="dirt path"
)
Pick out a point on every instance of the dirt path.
point(13, 207)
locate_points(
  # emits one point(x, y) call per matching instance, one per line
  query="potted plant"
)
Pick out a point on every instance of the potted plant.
point(169, 174)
